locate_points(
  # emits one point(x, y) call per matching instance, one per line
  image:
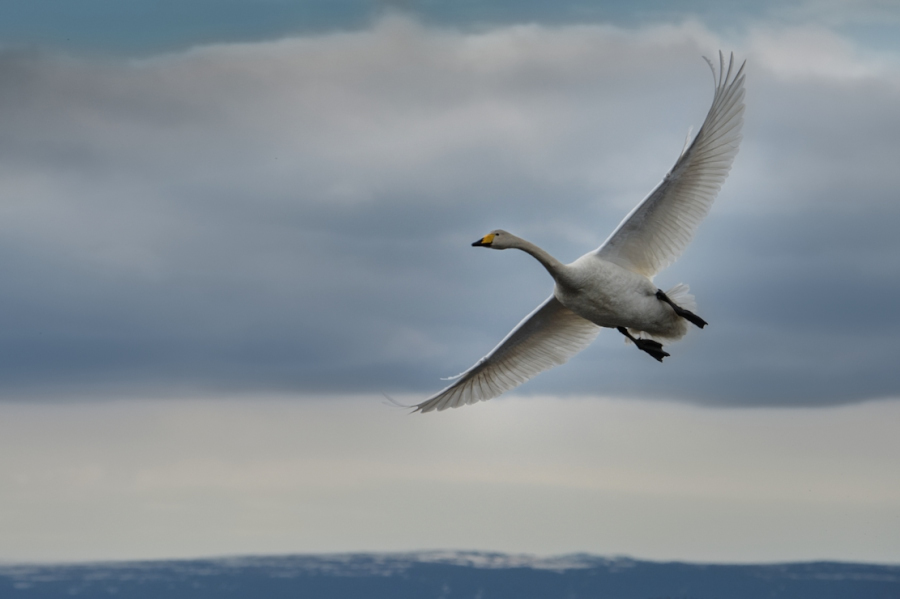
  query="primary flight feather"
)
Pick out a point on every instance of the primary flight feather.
point(613, 285)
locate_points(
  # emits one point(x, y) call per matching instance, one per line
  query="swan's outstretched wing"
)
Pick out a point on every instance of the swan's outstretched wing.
point(656, 232)
point(548, 336)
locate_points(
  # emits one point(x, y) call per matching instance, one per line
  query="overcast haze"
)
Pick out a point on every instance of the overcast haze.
point(285, 204)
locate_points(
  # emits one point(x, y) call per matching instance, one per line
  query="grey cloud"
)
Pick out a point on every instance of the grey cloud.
point(296, 215)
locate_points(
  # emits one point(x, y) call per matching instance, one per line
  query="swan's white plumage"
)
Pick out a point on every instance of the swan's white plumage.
point(658, 230)
point(612, 286)
point(545, 338)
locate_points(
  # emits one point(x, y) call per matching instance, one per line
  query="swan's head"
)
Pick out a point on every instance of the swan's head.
point(498, 239)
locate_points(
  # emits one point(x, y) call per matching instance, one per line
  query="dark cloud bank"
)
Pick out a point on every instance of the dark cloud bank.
point(296, 215)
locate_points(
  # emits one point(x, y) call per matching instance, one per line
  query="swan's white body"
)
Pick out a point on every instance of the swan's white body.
point(613, 285)
point(611, 296)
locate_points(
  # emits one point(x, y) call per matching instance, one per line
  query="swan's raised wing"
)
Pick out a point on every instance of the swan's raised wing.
point(548, 336)
point(658, 230)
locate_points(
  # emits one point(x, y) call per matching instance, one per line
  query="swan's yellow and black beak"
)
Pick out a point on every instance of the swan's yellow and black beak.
point(485, 241)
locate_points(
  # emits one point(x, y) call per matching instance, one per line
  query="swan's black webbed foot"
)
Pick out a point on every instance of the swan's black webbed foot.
point(654, 348)
point(686, 314)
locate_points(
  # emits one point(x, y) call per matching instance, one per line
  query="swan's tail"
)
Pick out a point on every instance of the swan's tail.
point(681, 296)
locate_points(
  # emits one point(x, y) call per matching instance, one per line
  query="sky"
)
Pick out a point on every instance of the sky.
point(259, 213)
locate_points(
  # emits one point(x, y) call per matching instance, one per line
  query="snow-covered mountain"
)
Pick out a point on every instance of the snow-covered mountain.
point(448, 575)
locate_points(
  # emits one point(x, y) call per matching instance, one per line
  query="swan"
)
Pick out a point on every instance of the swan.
point(612, 286)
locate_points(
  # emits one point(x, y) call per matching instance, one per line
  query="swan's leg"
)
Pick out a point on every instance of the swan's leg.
point(654, 348)
point(686, 314)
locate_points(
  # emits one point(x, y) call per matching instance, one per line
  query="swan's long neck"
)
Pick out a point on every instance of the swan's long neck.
point(553, 266)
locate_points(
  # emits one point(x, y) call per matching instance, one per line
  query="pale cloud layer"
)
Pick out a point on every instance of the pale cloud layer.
point(151, 478)
point(296, 215)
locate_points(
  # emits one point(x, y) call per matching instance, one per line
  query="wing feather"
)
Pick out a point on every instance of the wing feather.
point(657, 231)
point(549, 336)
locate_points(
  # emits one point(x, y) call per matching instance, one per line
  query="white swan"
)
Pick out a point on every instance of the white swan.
point(612, 286)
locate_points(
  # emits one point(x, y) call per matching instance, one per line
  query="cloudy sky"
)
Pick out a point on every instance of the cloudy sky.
point(228, 227)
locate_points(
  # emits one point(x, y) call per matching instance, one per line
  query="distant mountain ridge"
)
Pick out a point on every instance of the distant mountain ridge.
point(448, 575)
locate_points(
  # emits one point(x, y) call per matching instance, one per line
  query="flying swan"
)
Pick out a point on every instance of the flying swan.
point(613, 285)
